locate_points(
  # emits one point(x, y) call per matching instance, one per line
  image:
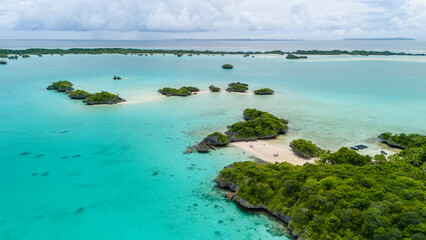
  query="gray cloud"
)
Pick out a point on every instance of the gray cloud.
point(244, 17)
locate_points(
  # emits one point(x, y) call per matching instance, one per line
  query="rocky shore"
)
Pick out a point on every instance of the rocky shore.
point(247, 204)
point(258, 125)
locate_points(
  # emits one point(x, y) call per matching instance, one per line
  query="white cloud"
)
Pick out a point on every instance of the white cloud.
point(231, 18)
point(414, 15)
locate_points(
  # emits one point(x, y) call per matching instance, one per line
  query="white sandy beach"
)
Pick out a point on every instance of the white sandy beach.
point(265, 151)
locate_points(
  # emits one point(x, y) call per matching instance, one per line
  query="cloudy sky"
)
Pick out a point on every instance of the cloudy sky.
point(158, 19)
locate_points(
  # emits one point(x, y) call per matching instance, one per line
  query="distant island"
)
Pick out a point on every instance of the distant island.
point(181, 92)
point(88, 98)
point(292, 56)
point(263, 91)
point(227, 66)
point(379, 39)
point(237, 87)
point(181, 52)
point(103, 98)
point(61, 86)
point(214, 88)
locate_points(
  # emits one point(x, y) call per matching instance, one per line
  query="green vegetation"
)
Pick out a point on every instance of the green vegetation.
point(103, 98)
point(3, 62)
point(258, 125)
point(192, 89)
point(292, 56)
point(61, 86)
point(217, 139)
point(43, 51)
point(375, 201)
point(402, 140)
point(263, 91)
point(214, 88)
point(79, 94)
point(182, 92)
point(237, 87)
point(3, 55)
point(227, 66)
point(344, 196)
point(13, 57)
point(345, 156)
point(305, 149)
point(414, 146)
point(25, 56)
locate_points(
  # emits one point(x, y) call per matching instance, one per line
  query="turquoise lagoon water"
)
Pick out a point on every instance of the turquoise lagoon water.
point(71, 171)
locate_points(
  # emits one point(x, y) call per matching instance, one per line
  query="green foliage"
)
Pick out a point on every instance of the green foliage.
point(258, 125)
point(61, 86)
point(3, 62)
point(414, 146)
point(227, 66)
point(345, 156)
point(3, 55)
point(103, 98)
point(292, 56)
point(192, 89)
point(13, 57)
point(403, 140)
point(374, 201)
point(305, 148)
point(379, 158)
point(79, 94)
point(214, 88)
point(25, 56)
point(219, 137)
point(183, 91)
point(237, 87)
point(263, 91)
point(250, 114)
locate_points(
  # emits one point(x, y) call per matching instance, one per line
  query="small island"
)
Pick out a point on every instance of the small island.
point(103, 98)
point(214, 88)
point(61, 86)
point(305, 149)
point(79, 94)
point(181, 92)
point(292, 56)
point(237, 87)
point(213, 140)
point(257, 125)
point(227, 66)
point(263, 91)
point(25, 56)
point(116, 78)
point(13, 57)
point(3, 62)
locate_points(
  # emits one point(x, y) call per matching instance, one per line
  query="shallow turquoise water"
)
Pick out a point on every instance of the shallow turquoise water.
point(119, 172)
